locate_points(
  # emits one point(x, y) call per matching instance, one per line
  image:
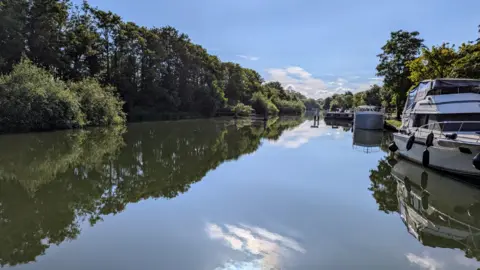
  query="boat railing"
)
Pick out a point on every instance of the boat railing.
point(438, 128)
point(369, 109)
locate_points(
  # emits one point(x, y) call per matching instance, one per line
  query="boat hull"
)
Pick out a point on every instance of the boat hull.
point(449, 159)
point(368, 120)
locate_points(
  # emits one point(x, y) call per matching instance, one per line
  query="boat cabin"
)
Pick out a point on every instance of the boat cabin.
point(449, 105)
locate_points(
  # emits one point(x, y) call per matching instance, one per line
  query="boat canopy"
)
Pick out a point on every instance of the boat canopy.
point(439, 87)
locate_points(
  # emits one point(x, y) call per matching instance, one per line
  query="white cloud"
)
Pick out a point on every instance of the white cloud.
point(376, 79)
point(300, 80)
point(248, 57)
point(425, 262)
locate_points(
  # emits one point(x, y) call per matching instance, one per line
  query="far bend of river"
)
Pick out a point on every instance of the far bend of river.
point(225, 195)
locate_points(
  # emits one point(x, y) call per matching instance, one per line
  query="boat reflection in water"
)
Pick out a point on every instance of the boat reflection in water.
point(336, 123)
point(367, 141)
point(438, 210)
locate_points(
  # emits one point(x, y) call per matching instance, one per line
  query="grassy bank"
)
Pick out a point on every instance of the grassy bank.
point(394, 122)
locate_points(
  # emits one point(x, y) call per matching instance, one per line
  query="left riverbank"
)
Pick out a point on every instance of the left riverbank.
point(145, 73)
point(31, 99)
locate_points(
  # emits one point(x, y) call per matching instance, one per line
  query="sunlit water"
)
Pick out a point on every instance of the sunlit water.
point(220, 194)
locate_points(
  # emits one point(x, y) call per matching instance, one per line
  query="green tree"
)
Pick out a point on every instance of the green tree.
point(326, 103)
point(83, 45)
point(373, 96)
point(437, 62)
point(359, 99)
point(13, 23)
point(400, 49)
point(467, 64)
point(46, 38)
point(31, 99)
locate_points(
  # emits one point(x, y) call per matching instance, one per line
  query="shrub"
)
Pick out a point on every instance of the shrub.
point(100, 105)
point(242, 110)
point(290, 106)
point(31, 99)
point(263, 105)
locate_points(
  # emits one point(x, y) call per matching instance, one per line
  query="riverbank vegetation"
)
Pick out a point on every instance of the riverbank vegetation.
point(405, 61)
point(145, 73)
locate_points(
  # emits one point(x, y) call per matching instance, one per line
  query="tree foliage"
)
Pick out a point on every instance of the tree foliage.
point(405, 62)
point(436, 62)
point(32, 99)
point(156, 71)
point(446, 61)
point(400, 49)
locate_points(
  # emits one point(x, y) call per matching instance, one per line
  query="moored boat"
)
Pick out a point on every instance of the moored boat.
point(369, 117)
point(441, 126)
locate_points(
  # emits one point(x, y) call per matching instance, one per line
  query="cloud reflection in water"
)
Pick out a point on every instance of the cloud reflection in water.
point(304, 133)
point(267, 249)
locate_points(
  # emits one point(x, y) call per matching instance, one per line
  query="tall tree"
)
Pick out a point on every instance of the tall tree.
point(13, 22)
point(82, 45)
point(47, 21)
point(108, 25)
point(401, 48)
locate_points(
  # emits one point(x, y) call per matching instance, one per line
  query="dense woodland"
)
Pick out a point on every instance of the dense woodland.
point(67, 66)
point(152, 73)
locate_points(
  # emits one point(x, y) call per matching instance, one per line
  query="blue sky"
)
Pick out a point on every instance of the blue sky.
point(318, 47)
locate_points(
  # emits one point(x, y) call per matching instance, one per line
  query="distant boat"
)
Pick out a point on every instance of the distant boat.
point(369, 117)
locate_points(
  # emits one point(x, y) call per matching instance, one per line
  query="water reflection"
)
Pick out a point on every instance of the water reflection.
point(346, 125)
point(367, 141)
point(51, 182)
point(438, 210)
point(266, 249)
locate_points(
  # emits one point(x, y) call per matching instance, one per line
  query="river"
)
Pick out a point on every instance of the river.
point(222, 194)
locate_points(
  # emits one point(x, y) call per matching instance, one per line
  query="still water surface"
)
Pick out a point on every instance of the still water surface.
point(219, 194)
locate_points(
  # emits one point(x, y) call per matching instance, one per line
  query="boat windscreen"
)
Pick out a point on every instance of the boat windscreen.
point(422, 90)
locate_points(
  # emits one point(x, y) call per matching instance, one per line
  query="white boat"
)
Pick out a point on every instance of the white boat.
point(369, 117)
point(441, 126)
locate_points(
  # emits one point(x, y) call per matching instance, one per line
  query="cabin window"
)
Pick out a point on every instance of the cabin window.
point(423, 119)
point(411, 99)
point(457, 90)
point(420, 120)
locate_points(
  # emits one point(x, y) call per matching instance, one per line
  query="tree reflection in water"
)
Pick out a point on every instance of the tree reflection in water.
point(51, 182)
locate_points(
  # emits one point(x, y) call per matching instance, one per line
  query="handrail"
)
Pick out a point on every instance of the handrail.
point(445, 122)
point(369, 109)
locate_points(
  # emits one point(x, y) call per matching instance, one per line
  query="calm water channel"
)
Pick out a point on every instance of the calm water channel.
point(219, 194)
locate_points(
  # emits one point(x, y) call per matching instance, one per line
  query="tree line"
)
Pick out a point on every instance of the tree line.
point(146, 73)
point(403, 63)
point(348, 100)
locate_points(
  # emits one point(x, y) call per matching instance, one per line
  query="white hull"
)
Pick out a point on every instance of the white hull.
point(448, 159)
